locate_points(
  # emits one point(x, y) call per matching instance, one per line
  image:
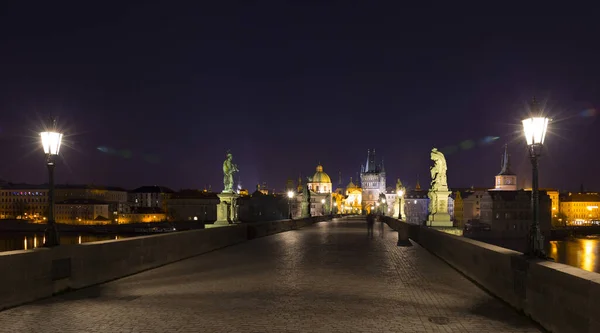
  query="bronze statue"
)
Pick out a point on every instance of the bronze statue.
point(228, 170)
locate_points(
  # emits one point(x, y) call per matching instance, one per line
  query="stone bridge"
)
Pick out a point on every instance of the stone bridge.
point(327, 277)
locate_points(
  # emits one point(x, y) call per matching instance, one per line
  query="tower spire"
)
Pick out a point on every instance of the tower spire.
point(505, 166)
point(368, 160)
point(418, 186)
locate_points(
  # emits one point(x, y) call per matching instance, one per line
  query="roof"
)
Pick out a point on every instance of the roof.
point(581, 197)
point(194, 194)
point(416, 194)
point(23, 186)
point(82, 202)
point(153, 189)
point(320, 176)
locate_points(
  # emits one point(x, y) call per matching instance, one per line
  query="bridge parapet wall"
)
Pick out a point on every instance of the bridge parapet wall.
point(28, 275)
point(559, 297)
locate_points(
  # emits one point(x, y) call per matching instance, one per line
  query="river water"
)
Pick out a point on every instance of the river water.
point(27, 240)
point(583, 252)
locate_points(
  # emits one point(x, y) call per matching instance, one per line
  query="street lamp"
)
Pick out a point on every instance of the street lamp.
point(534, 129)
point(290, 195)
point(336, 207)
point(400, 194)
point(51, 140)
point(323, 206)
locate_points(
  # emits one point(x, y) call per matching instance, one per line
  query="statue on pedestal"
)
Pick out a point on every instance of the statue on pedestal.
point(438, 192)
point(228, 170)
point(227, 208)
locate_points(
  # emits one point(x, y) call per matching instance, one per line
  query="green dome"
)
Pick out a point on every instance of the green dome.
point(320, 176)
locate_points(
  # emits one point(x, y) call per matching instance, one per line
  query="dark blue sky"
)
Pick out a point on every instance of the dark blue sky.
point(156, 94)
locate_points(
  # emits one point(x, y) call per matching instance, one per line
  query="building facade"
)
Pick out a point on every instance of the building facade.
point(150, 196)
point(416, 206)
point(509, 213)
point(193, 205)
point(24, 201)
point(581, 208)
point(82, 211)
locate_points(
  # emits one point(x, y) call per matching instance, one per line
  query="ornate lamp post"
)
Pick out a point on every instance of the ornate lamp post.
point(400, 195)
point(290, 195)
point(534, 129)
point(323, 206)
point(337, 210)
point(51, 140)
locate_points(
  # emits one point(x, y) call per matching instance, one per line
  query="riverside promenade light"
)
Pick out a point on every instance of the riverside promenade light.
point(51, 141)
point(534, 130)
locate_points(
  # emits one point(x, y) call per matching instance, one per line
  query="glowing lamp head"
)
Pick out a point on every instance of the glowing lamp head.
point(535, 129)
point(290, 194)
point(382, 200)
point(51, 142)
point(400, 193)
point(322, 201)
point(335, 204)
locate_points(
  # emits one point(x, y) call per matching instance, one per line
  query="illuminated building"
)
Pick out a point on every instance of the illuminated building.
point(143, 215)
point(23, 201)
point(353, 202)
point(320, 181)
point(581, 208)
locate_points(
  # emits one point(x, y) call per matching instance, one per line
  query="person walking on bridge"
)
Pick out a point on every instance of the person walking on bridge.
point(370, 223)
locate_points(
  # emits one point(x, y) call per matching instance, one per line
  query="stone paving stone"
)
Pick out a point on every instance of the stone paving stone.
point(330, 277)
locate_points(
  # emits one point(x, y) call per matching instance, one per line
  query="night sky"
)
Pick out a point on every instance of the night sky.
point(156, 94)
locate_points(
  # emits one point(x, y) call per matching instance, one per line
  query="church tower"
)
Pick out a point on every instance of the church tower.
point(506, 180)
point(372, 179)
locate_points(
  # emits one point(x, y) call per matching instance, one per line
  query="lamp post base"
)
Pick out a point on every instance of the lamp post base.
point(51, 236)
point(536, 244)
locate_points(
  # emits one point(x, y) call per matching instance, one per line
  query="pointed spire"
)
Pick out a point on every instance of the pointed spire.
point(340, 178)
point(368, 159)
point(382, 166)
point(418, 186)
point(505, 162)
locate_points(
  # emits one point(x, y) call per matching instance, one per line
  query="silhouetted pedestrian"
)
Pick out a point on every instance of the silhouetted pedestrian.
point(370, 223)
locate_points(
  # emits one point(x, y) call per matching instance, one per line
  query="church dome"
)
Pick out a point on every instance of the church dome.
point(320, 176)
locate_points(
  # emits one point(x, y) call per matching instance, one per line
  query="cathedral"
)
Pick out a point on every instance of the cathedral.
point(372, 180)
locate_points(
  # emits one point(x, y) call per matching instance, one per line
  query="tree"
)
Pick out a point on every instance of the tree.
point(559, 220)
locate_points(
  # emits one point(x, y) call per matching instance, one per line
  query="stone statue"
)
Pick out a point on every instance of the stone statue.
point(438, 170)
point(438, 193)
point(228, 170)
point(398, 185)
point(432, 202)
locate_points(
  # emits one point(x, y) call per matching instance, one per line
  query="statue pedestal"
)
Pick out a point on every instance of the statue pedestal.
point(440, 218)
point(226, 209)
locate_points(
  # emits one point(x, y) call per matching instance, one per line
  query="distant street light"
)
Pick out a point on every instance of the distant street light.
point(51, 140)
point(290, 195)
point(534, 130)
point(323, 206)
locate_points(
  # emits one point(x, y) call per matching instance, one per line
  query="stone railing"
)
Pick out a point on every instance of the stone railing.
point(28, 275)
point(559, 297)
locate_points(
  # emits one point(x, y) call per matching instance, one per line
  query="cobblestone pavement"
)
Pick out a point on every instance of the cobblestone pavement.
point(330, 277)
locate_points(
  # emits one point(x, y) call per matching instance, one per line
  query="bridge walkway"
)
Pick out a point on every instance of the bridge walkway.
point(329, 277)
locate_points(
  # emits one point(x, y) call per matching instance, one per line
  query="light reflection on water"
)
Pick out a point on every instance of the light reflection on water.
point(579, 252)
point(28, 241)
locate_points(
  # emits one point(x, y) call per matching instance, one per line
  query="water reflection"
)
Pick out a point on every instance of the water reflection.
point(578, 252)
point(28, 241)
